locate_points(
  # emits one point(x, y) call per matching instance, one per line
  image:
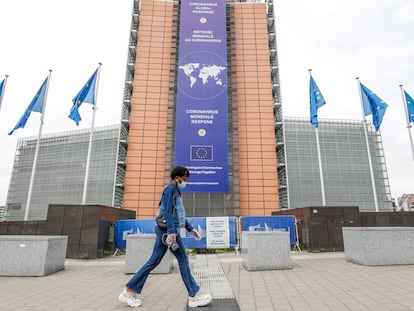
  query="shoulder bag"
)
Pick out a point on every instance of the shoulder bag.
point(161, 219)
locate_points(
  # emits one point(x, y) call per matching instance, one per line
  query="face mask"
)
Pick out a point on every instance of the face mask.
point(182, 185)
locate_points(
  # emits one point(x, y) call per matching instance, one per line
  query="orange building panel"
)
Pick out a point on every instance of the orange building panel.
point(255, 110)
point(149, 110)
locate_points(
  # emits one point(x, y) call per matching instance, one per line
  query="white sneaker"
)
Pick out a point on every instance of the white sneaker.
point(199, 300)
point(131, 299)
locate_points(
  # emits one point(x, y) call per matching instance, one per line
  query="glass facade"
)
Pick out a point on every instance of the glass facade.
point(60, 171)
point(2, 213)
point(345, 165)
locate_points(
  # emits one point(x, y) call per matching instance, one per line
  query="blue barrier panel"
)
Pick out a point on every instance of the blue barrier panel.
point(198, 223)
point(147, 226)
point(125, 227)
point(270, 223)
point(233, 232)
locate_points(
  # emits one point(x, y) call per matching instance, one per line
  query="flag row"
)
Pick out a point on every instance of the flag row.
point(371, 104)
point(87, 94)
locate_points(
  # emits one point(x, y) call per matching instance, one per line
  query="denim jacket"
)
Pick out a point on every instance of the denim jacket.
point(173, 219)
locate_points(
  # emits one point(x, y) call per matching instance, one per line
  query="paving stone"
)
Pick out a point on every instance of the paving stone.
point(316, 282)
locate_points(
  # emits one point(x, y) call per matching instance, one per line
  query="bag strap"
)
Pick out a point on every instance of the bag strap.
point(174, 203)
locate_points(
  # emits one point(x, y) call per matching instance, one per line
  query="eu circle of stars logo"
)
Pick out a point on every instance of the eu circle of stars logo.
point(201, 153)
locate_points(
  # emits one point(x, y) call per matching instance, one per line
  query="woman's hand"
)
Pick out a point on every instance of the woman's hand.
point(170, 239)
point(196, 234)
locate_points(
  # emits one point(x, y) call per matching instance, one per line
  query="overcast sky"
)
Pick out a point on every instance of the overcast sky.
point(339, 40)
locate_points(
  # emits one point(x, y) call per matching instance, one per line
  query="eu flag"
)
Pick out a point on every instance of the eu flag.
point(373, 105)
point(410, 107)
point(36, 105)
point(86, 94)
point(1, 90)
point(201, 153)
point(316, 101)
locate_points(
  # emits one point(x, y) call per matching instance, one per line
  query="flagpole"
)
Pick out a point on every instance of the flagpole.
point(408, 121)
point(374, 191)
point(29, 195)
point(320, 167)
point(3, 90)
point(85, 185)
point(319, 161)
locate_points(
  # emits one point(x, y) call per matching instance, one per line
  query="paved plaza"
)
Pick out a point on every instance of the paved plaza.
point(317, 281)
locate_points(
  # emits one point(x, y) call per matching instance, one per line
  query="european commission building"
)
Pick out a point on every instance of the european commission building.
point(202, 90)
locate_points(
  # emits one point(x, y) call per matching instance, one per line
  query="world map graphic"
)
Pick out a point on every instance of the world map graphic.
point(204, 73)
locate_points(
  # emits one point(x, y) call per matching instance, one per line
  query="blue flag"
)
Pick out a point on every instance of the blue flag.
point(410, 107)
point(373, 105)
point(316, 101)
point(1, 90)
point(36, 105)
point(86, 94)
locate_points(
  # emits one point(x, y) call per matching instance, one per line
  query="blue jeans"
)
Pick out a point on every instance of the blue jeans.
point(136, 283)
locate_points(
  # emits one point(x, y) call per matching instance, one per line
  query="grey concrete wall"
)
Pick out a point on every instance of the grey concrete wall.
point(31, 255)
point(138, 251)
point(372, 246)
point(266, 250)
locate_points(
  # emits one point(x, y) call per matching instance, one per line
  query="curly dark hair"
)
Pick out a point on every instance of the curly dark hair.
point(180, 171)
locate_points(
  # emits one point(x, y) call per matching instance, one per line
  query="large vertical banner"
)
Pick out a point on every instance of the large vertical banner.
point(201, 131)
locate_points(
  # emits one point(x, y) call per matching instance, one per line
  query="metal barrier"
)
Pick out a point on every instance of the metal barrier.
point(131, 226)
point(215, 232)
point(272, 223)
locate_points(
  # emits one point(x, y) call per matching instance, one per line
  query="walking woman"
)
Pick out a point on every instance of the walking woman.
point(172, 206)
